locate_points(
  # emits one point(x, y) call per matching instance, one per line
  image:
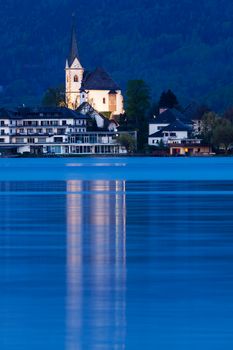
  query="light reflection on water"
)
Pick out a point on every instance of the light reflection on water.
point(102, 271)
point(116, 265)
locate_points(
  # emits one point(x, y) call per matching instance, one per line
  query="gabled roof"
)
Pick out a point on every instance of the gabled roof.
point(99, 80)
point(168, 117)
point(157, 134)
point(41, 113)
point(86, 109)
point(176, 126)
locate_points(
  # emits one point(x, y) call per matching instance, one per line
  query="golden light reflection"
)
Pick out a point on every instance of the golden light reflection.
point(96, 265)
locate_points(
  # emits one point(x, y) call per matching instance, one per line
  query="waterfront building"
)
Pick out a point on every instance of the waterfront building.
point(192, 147)
point(173, 131)
point(169, 125)
point(97, 87)
point(59, 131)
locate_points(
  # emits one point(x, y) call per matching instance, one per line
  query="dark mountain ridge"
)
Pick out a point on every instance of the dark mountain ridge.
point(186, 46)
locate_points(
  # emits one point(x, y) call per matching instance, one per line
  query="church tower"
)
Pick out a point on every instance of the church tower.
point(74, 72)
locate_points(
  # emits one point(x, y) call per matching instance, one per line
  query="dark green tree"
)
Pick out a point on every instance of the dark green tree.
point(137, 107)
point(228, 114)
point(209, 123)
point(223, 135)
point(137, 101)
point(127, 141)
point(54, 97)
point(168, 100)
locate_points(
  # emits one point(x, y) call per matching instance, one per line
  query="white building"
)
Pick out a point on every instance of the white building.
point(97, 87)
point(169, 125)
point(59, 131)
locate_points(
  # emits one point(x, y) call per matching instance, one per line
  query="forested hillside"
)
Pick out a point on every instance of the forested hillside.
point(184, 45)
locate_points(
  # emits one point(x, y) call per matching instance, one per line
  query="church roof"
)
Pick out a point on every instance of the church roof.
point(73, 45)
point(99, 80)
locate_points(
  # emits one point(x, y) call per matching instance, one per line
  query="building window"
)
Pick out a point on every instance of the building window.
point(173, 134)
point(64, 122)
point(58, 139)
point(19, 140)
point(104, 100)
point(76, 79)
point(2, 140)
point(42, 139)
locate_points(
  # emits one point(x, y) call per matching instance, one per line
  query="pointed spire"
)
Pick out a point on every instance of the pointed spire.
point(73, 45)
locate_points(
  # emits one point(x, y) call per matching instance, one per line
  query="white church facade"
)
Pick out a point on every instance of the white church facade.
point(97, 87)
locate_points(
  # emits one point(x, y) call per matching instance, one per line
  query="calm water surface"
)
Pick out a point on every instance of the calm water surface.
point(116, 254)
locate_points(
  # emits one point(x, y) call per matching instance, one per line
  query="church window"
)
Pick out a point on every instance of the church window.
point(76, 79)
point(104, 100)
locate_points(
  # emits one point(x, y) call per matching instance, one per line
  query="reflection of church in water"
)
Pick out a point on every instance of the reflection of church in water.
point(96, 264)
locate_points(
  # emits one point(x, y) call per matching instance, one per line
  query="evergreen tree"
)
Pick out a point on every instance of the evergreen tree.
point(137, 101)
point(168, 100)
point(137, 107)
point(54, 97)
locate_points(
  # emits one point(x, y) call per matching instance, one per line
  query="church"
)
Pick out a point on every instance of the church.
point(96, 88)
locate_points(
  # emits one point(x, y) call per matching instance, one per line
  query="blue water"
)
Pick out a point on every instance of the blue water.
point(116, 254)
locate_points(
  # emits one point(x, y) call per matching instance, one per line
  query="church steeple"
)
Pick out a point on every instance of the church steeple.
point(73, 44)
point(74, 72)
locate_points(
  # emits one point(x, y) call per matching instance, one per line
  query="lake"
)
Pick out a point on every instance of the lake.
point(116, 253)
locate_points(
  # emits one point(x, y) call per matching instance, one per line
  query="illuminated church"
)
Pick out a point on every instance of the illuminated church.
point(97, 87)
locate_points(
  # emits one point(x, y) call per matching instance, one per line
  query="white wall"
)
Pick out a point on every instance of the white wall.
point(180, 135)
point(72, 87)
point(96, 100)
point(153, 141)
point(156, 127)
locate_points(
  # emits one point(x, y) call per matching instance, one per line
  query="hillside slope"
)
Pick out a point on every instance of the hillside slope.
point(186, 46)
